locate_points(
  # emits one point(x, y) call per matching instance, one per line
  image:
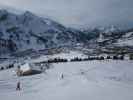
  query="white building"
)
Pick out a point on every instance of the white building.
point(30, 69)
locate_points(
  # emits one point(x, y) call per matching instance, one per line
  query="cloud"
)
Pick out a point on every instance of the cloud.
point(80, 12)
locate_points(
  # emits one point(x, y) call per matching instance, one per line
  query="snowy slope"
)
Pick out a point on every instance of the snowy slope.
point(126, 40)
point(82, 81)
point(67, 55)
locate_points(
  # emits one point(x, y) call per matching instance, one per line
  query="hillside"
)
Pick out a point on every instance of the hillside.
point(29, 31)
point(93, 80)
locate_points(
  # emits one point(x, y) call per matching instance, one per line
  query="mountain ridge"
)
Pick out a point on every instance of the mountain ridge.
point(29, 31)
point(25, 31)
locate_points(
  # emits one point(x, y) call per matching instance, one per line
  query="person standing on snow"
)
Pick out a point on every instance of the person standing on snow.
point(62, 76)
point(18, 88)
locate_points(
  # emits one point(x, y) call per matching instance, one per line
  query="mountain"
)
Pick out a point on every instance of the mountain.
point(109, 35)
point(110, 40)
point(28, 31)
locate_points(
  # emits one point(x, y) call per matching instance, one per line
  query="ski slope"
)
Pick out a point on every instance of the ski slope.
point(91, 80)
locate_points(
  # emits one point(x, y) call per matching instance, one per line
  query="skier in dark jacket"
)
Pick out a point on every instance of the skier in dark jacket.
point(18, 86)
point(62, 76)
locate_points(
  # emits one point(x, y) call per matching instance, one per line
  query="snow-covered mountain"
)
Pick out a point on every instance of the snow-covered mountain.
point(110, 40)
point(111, 34)
point(29, 31)
point(125, 40)
point(26, 31)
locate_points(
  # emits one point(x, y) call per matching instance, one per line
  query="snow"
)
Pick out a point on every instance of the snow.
point(126, 40)
point(29, 31)
point(128, 35)
point(69, 55)
point(101, 38)
point(94, 80)
point(25, 67)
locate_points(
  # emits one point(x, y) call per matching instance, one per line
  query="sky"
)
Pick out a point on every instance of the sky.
point(79, 13)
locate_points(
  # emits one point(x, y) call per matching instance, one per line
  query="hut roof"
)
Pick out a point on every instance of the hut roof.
point(25, 67)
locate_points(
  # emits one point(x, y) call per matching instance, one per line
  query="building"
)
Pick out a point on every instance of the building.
point(30, 69)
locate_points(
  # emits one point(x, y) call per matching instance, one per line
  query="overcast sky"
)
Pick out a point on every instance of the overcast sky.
point(79, 12)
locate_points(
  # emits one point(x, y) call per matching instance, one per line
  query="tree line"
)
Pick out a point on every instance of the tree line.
point(76, 59)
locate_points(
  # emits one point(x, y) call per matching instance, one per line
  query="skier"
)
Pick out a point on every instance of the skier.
point(62, 76)
point(18, 86)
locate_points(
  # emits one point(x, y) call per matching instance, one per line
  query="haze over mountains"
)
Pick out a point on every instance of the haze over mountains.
point(24, 31)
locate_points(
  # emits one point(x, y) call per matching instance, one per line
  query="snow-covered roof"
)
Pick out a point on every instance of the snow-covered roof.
point(30, 66)
point(25, 67)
